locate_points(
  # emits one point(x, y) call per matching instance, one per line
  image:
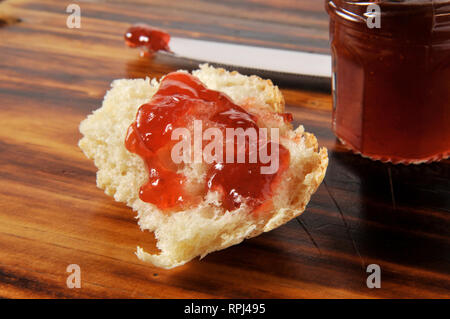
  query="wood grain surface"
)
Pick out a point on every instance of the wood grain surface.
point(52, 214)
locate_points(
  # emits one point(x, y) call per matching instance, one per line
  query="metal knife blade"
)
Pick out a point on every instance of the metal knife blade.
point(259, 60)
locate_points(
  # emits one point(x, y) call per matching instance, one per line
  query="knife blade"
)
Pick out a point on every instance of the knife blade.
point(270, 62)
point(285, 65)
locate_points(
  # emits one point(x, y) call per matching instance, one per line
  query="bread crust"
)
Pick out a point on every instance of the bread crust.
point(206, 227)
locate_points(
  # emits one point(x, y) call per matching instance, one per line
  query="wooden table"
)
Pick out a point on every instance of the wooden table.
point(52, 215)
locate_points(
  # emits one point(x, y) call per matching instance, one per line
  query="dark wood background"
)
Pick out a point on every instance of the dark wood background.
point(52, 214)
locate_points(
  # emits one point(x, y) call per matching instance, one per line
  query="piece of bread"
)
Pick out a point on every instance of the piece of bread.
point(206, 227)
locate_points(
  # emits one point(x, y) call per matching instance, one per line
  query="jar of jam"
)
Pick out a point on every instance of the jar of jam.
point(391, 78)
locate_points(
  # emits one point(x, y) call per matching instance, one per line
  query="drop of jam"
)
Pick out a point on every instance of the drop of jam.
point(142, 35)
point(181, 99)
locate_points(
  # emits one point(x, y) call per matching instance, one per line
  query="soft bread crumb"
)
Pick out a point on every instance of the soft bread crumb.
point(206, 227)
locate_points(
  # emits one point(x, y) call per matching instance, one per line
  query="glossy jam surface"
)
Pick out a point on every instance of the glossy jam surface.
point(392, 84)
point(142, 35)
point(181, 99)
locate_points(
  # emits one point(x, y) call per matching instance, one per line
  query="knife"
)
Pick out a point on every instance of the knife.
point(283, 65)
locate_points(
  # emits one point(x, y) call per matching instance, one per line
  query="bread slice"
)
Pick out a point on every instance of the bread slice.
point(207, 226)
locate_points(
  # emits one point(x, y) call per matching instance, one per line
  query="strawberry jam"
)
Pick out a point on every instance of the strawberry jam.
point(142, 35)
point(180, 102)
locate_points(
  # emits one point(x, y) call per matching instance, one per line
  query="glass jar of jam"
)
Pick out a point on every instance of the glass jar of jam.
point(391, 81)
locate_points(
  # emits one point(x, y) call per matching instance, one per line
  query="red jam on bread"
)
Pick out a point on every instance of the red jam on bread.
point(181, 99)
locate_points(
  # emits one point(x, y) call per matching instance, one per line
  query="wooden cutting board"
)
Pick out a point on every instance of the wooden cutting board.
point(52, 215)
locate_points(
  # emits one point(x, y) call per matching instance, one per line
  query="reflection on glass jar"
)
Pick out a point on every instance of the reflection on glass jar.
point(391, 85)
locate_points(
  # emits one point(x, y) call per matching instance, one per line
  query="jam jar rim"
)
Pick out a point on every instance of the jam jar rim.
point(341, 11)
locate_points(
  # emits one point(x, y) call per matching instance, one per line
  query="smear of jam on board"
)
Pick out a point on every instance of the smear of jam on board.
point(142, 35)
point(181, 99)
